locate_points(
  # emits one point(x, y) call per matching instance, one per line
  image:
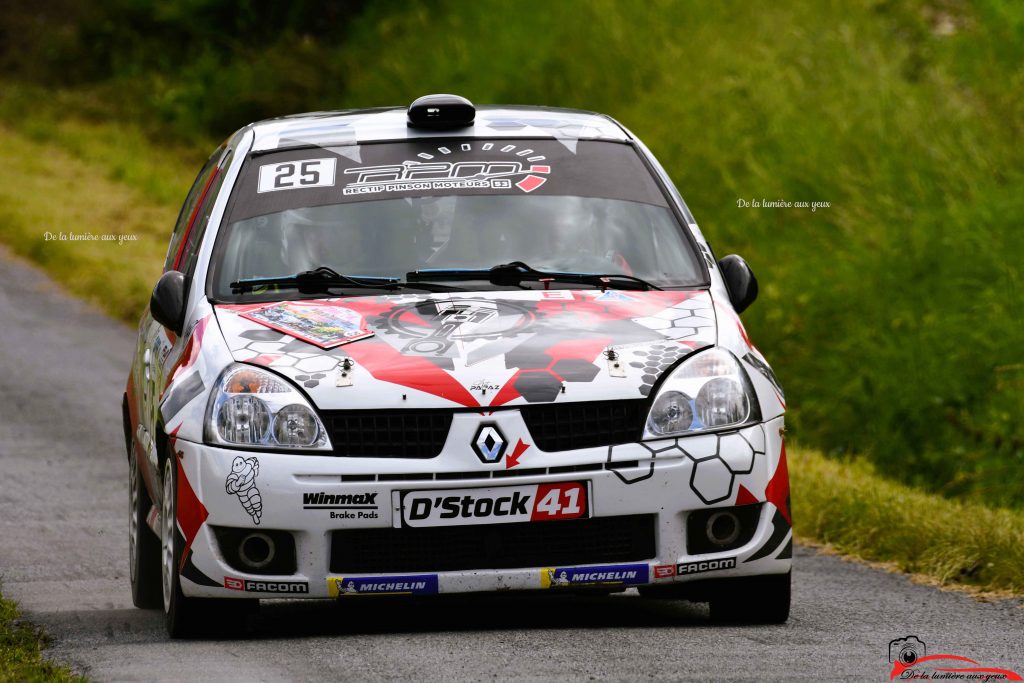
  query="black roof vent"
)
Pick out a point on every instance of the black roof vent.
point(439, 112)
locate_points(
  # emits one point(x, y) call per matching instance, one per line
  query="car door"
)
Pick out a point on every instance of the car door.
point(159, 347)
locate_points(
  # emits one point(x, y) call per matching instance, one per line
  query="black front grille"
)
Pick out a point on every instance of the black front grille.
point(388, 433)
point(422, 433)
point(565, 426)
point(494, 546)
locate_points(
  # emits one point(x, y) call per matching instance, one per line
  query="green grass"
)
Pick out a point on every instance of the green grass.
point(20, 645)
point(46, 190)
point(894, 318)
point(849, 506)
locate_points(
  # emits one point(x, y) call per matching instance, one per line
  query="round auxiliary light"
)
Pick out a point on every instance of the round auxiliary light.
point(670, 414)
point(243, 419)
point(295, 425)
point(722, 402)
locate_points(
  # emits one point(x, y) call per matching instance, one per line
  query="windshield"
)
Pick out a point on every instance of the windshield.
point(386, 210)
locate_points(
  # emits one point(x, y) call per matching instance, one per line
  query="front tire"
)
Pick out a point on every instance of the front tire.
point(183, 615)
point(187, 617)
point(143, 545)
point(754, 600)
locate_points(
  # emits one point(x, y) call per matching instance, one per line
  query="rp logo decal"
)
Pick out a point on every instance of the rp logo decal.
point(489, 443)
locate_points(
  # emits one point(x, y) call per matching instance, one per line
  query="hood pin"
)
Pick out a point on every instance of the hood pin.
point(615, 368)
point(345, 373)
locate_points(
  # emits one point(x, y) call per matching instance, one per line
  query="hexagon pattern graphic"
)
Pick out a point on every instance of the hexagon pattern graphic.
point(717, 460)
point(275, 349)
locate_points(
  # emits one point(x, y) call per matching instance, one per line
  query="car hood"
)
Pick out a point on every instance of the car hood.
point(472, 349)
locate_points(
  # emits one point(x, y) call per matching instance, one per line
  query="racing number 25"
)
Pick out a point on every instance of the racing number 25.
point(309, 174)
point(560, 501)
point(293, 175)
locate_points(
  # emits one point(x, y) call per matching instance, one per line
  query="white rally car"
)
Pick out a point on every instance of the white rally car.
point(447, 349)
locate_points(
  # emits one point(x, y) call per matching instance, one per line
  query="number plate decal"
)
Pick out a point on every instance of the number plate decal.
point(496, 505)
point(295, 175)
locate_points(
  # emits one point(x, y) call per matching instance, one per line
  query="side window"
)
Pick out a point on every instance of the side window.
point(194, 238)
point(188, 210)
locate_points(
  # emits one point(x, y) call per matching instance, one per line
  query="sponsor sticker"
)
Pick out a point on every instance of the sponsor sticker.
point(664, 571)
point(260, 586)
point(495, 505)
point(241, 481)
point(608, 575)
point(343, 505)
point(684, 568)
point(323, 325)
point(434, 173)
point(295, 175)
point(420, 584)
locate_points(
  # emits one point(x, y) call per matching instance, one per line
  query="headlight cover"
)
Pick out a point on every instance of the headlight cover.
point(257, 409)
point(707, 392)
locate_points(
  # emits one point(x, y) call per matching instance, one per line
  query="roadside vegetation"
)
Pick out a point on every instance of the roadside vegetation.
point(20, 659)
point(850, 507)
point(845, 502)
point(894, 316)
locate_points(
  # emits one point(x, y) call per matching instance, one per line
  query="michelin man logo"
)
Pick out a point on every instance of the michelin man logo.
point(241, 482)
point(345, 588)
point(561, 580)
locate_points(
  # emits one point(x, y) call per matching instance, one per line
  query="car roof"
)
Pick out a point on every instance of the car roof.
point(353, 127)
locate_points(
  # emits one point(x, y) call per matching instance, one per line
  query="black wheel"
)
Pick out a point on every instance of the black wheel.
point(143, 545)
point(754, 600)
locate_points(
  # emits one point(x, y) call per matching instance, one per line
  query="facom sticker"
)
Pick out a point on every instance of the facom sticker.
point(609, 575)
point(664, 571)
point(251, 586)
point(295, 175)
point(422, 584)
point(707, 566)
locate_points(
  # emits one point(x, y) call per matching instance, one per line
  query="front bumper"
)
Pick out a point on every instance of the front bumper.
point(310, 497)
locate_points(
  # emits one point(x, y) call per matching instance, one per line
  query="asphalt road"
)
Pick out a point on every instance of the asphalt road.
point(63, 557)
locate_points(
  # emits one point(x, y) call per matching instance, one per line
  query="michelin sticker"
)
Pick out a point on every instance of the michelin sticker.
point(241, 481)
point(609, 575)
point(424, 584)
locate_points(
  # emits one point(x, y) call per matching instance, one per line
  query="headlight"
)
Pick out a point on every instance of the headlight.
point(706, 392)
point(255, 408)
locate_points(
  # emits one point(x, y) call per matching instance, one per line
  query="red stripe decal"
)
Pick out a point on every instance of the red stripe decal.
point(388, 365)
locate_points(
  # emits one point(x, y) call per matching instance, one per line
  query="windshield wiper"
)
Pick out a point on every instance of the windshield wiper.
point(514, 273)
point(324, 278)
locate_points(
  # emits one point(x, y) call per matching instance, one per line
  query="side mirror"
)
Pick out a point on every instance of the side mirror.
point(168, 301)
point(740, 281)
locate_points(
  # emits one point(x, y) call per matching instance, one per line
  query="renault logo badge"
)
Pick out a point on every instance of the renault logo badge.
point(489, 443)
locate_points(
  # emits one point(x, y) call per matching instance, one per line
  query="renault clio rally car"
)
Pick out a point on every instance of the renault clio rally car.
point(449, 349)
